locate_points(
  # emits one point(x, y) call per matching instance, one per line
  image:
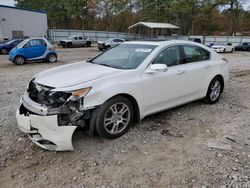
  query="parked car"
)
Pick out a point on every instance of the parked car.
point(245, 46)
point(223, 47)
point(33, 49)
point(109, 43)
point(198, 40)
point(76, 41)
point(6, 47)
point(122, 85)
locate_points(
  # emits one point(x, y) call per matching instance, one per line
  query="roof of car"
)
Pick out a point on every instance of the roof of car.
point(36, 38)
point(159, 43)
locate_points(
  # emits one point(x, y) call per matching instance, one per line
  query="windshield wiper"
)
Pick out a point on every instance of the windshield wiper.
point(104, 65)
point(89, 61)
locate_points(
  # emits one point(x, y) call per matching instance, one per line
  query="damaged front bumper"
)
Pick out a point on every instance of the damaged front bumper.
point(42, 126)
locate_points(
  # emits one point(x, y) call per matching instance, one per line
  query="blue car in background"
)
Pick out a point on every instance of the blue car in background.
point(33, 49)
point(6, 47)
point(245, 46)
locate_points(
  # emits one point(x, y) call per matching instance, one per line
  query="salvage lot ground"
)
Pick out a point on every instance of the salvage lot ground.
point(171, 148)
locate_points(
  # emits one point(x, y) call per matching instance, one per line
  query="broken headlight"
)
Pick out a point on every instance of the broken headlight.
point(77, 94)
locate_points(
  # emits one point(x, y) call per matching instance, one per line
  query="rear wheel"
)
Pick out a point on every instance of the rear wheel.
point(69, 45)
point(107, 47)
point(88, 44)
point(51, 58)
point(4, 51)
point(115, 117)
point(214, 91)
point(19, 60)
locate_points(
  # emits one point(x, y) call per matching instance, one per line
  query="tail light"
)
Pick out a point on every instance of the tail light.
point(224, 59)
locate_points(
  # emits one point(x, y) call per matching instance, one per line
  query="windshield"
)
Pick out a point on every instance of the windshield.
point(22, 43)
point(220, 44)
point(124, 56)
point(10, 42)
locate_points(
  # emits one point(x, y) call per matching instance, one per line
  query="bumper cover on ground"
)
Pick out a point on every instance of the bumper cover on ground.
point(45, 132)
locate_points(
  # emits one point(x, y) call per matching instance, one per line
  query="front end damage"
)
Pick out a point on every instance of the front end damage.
point(50, 118)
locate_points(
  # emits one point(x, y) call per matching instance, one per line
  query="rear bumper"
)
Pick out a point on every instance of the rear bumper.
point(101, 46)
point(218, 50)
point(44, 130)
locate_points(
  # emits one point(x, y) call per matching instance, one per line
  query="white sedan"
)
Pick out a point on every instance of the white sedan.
point(124, 84)
point(223, 47)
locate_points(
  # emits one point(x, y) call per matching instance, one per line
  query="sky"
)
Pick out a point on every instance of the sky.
point(11, 3)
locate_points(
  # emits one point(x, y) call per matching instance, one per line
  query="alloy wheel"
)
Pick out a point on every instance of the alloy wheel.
point(117, 118)
point(19, 60)
point(4, 51)
point(52, 58)
point(215, 90)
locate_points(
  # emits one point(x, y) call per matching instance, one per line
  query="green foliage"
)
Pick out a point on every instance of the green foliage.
point(193, 16)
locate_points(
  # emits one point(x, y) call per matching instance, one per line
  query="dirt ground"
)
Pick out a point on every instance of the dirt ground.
point(195, 145)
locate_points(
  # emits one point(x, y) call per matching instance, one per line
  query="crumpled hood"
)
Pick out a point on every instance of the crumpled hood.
point(73, 74)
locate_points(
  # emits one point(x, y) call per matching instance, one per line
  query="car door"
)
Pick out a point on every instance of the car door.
point(198, 69)
point(75, 41)
point(35, 49)
point(80, 41)
point(116, 42)
point(162, 90)
point(229, 47)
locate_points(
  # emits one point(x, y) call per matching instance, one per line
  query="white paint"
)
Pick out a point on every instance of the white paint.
point(154, 91)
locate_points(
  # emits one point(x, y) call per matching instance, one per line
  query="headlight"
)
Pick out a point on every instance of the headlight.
point(81, 92)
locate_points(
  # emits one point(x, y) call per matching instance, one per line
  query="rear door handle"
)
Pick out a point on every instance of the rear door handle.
point(207, 66)
point(181, 72)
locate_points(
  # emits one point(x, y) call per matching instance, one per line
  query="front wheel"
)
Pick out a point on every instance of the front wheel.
point(51, 58)
point(115, 117)
point(4, 51)
point(88, 44)
point(214, 91)
point(19, 60)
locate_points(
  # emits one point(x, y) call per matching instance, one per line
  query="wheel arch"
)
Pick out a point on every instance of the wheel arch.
point(21, 56)
point(51, 53)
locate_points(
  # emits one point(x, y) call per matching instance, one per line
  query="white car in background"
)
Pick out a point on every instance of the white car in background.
point(223, 47)
point(124, 84)
point(110, 43)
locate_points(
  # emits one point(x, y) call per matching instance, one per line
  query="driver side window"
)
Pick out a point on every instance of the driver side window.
point(169, 56)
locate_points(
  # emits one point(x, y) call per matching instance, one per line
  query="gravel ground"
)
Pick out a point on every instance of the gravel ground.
point(195, 145)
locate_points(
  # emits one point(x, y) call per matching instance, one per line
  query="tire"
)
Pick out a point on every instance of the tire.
point(232, 50)
point(69, 45)
point(19, 60)
point(88, 44)
point(51, 58)
point(115, 117)
point(4, 51)
point(214, 91)
point(107, 47)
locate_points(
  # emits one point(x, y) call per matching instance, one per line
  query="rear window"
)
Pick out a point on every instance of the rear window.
point(195, 54)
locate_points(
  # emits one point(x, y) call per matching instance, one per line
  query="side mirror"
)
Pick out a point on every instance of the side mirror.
point(157, 68)
point(88, 59)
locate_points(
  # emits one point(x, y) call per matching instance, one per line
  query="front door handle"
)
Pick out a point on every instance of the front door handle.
point(181, 72)
point(207, 66)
